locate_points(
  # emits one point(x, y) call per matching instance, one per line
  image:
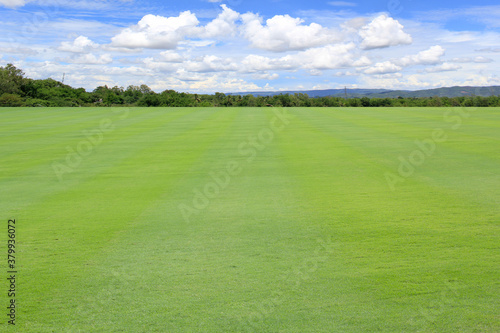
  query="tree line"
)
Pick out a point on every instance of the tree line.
point(17, 90)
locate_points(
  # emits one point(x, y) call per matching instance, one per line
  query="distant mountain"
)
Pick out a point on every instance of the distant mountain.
point(383, 93)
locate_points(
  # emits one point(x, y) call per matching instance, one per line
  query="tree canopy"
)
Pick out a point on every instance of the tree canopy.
point(17, 90)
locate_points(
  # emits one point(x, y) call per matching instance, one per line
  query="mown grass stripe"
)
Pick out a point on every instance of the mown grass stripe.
point(71, 137)
point(116, 147)
point(109, 244)
point(119, 219)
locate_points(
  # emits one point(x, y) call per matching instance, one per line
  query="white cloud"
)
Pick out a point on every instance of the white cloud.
point(210, 63)
point(223, 25)
point(157, 32)
point(159, 66)
point(480, 60)
point(171, 56)
point(430, 56)
point(227, 85)
point(12, 3)
point(459, 37)
point(315, 72)
point(320, 58)
point(428, 80)
point(331, 57)
point(256, 63)
point(383, 31)
point(284, 33)
point(383, 68)
point(446, 67)
point(212, 83)
point(91, 59)
point(25, 51)
point(354, 25)
point(80, 45)
point(197, 52)
point(489, 49)
point(266, 76)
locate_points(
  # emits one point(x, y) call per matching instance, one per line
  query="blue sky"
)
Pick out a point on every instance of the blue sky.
point(240, 45)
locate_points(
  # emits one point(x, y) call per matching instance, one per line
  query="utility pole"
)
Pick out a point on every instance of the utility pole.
point(64, 74)
point(345, 91)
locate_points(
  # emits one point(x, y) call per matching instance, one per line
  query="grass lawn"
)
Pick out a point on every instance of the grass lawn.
point(252, 220)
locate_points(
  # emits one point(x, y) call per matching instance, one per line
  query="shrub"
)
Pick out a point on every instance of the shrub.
point(11, 100)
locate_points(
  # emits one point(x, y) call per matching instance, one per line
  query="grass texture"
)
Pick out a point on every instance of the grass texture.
point(252, 220)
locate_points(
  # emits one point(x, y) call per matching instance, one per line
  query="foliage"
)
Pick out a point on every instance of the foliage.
point(10, 100)
point(22, 91)
point(11, 80)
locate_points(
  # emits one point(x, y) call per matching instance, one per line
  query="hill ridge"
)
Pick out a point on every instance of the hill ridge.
point(455, 91)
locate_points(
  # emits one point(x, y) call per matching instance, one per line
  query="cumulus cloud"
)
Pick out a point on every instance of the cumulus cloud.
point(91, 59)
point(194, 53)
point(210, 63)
point(280, 33)
point(319, 58)
point(160, 66)
point(446, 67)
point(266, 76)
point(331, 57)
point(171, 56)
point(256, 63)
point(217, 83)
point(383, 68)
point(430, 56)
point(80, 45)
point(284, 33)
point(382, 32)
point(157, 32)
point(223, 25)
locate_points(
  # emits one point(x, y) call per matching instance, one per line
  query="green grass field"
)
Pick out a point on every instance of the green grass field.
point(252, 220)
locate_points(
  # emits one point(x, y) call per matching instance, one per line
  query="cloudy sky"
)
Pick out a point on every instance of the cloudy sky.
point(252, 45)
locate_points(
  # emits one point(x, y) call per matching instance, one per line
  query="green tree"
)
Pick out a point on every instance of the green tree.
point(145, 89)
point(11, 100)
point(149, 100)
point(132, 94)
point(11, 80)
point(365, 101)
